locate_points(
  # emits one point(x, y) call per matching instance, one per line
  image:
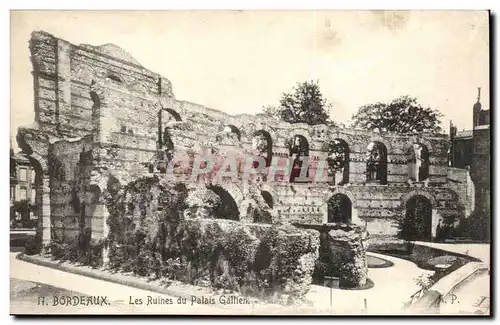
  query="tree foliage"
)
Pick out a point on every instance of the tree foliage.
point(337, 155)
point(271, 111)
point(402, 115)
point(304, 105)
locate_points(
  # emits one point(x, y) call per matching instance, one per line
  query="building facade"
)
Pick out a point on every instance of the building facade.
point(104, 121)
point(23, 200)
point(471, 152)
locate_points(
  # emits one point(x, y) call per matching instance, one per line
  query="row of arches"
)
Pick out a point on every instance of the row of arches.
point(298, 147)
point(376, 160)
point(416, 223)
point(229, 209)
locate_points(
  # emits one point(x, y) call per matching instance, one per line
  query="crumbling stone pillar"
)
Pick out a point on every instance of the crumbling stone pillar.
point(436, 218)
point(348, 254)
point(342, 253)
point(99, 226)
point(44, 218)
point(105, 232)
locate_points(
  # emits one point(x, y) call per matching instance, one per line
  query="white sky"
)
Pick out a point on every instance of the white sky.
point(238, 61)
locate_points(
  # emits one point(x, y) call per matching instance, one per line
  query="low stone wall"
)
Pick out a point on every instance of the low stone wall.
point(431, 300)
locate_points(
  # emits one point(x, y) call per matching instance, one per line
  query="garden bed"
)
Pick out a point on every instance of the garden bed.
point(375, 262)
point(425, 257)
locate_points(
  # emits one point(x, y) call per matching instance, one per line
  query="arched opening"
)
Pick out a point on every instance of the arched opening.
point(114, 77)
point(167, 142)
point(35, 203)
point(339, 209)
point(263, 144)
point(417, 222)
point(338, 161)
point(298, 147)
point(376, 163)
point(228, 209)
point(170, 115)
point(165, 116)
point(418, 162)
point(268, 198)
point(231, 129)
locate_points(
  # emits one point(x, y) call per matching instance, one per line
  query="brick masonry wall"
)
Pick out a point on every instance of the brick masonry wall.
point(70, 205)
point(103, 93)
point(481, 173)
point(63, 74)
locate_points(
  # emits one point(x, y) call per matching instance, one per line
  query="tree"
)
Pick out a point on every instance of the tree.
point(304, 105)
point(402, 115)
point(271, 112)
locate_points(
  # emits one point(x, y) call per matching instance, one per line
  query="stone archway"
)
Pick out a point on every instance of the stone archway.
point(234, 130)
point(42, 200)
point(427, 195)
point(338, 161)
point(376, 163)
point(339, 209)
point(298, 149)
point(341, 192)
point(262, 143)
point(228, 209)
point(418, 162)
point(35, 146)
point(165, 116)
point(418, 222)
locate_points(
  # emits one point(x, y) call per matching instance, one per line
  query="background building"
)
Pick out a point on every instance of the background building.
point(23, 202)
point(471, 150)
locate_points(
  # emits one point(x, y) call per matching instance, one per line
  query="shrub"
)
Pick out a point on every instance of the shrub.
point(251, 258)
point(33, 245)
point(352, 272)
point(64, 251)
point(82, 250)
point(142, 239)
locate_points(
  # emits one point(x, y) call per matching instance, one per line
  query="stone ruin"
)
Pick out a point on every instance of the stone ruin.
point(102, 120)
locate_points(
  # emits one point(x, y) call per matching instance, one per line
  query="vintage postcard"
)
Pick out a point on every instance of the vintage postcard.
point(250, 162)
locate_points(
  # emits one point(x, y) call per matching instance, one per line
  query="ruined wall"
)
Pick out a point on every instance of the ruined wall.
point(342, 253)
point(63, 74)
point(376, 207)
point(70, 203)
point(103, 92)
point(481, 176)
point(460, 181)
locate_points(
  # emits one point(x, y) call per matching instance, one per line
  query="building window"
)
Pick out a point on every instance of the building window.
point(298, 147)
point(22, 174)
point(418, 162)
point(23, 193)
point(376, 163)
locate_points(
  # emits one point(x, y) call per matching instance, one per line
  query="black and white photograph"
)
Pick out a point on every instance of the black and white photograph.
point(250, 162)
